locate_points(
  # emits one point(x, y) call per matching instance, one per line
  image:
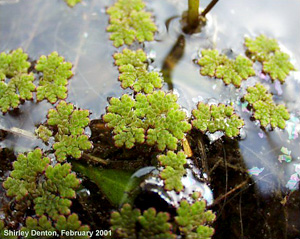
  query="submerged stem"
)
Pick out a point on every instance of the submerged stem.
point(193, 13)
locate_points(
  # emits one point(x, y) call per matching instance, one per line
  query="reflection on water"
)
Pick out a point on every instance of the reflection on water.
point(79, 35)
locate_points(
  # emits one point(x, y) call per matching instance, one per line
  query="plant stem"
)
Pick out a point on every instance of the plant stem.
point(193, 13)
point(209, 7)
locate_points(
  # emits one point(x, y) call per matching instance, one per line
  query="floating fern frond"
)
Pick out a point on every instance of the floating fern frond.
point(267, 51)
point(155, 225)
point(193, 219)
point(43, 133)
point(26, 169)
point(231, 71)
point(134, 74)
point(261, 47)
point(173, 170)
point(155, 116)
point(55, 75)
point(14, 67)
point(217, 118)
point(265, 110)
point(124, 222)
point(70, 138)
point(129, 22)
point(48, 188)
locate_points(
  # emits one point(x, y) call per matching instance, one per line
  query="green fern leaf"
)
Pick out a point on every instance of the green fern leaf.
point(38, 224)
point(43, 133)
point(129, 22)
point(266, 50)
point(155, 225)
point(193, 220)
point(124, 222)
point(231, 71)
point(134, 74)
point(155, 117)
point(72, 145)
point(23, 178)
point(278, 66)
point(55, 75)
point(217, 118)
point(261, 47)
point(19, 87)
point(173, 170)
point(265, 110)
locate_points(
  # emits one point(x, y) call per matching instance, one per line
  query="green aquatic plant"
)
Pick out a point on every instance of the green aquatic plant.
point(267, 51)
point(43, 133)
point(14, 70)
point(214, 118)
point(49, 188)
point(55, 75)
point(173, 169)
point(220, 66)
point(193, 220)
point(72, 3)
point(152, 224)
point(129, 22)
point(155, 118)
point(133, 68)
point(265, 110)
point(69, 124)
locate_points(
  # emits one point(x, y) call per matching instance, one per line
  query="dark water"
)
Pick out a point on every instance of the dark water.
point(40, 27)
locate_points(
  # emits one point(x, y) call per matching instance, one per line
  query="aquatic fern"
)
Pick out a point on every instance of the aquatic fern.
point(214, 118)
point(22, 181)
point(134, 74)
point(55, 74)
point(43, 133)
point(155, 117)
point(193, 220)
point(155, 225)
point(70, 124)
point(173, 169)
point(14, 69)
point(278, 66)
point(265, 110)
point(50, 188)
point(152, 224)
point(261, 47)
point(220, 66)
point(124, 222)
point(129, 22)
point(267, 51)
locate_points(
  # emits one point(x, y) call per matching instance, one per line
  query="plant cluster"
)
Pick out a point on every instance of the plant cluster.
point(154, 118)
point(55, 74)
point(267, 51)
point(220, 66)
point(45, 188)
point(173, 169)
point(129, 22)
point(69, 124)
point(265, 110)
point(192, 220)
point(15, 81)
point(214, 118)
point(133, 71)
